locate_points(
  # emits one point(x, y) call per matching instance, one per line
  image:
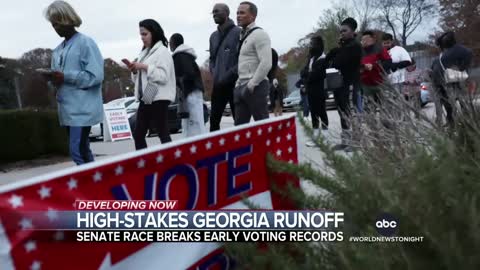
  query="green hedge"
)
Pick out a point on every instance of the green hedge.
point(28, 134)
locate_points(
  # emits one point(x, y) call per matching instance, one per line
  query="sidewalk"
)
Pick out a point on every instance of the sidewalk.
point(104, 150)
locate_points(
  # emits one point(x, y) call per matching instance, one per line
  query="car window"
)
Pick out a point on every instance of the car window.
point(116, 102)
point(133, 106)
point(129, 102)
point(294, 94)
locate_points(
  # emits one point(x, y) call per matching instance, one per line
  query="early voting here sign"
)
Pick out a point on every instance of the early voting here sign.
point(215, 171)
point(116, 125)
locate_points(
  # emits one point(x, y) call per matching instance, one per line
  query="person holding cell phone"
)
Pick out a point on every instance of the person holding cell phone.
point(77, 74)
point(153, 73)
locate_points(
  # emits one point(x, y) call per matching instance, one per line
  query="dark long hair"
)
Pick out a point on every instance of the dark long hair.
point(156, 30)
point(273, 70)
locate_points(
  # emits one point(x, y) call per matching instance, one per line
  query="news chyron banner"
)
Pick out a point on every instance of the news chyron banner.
point(217, 171)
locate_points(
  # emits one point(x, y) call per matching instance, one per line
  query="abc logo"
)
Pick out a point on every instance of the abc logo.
point(386, 225)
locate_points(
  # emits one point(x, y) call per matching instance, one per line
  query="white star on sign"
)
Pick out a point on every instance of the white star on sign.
point(290, 150)
point(270, 129)
point(59, 236)
point(208, 145)
point(289, 137)
point(288, 124)
point(237, 138)
point(52, 214)
point(259, 132)
point(160, 159)
point(290, 161)
point(72, 184)
point(249, 134)
point(30, 246)
point(141, 164)
point(280, 127)
point(119, 170)
point(278, 139)
point(16, 201)
point(44, 192)
point(279, 152)
point(26, 224)
point(193, 149)
point(178, 153)
point(268, 142)
point(222, 141)
point(36, 265)
point(97, 177)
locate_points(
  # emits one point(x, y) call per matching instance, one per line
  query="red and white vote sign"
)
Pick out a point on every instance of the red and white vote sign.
point(214, 171)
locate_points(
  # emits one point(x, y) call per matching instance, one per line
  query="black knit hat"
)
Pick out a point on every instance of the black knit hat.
point(350, 22)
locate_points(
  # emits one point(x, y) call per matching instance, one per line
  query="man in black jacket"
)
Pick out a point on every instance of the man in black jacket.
point(346, 58)
point(190, 86)
point(223, 63)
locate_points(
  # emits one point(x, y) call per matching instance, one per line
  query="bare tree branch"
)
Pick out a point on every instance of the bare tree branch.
point(405, 16)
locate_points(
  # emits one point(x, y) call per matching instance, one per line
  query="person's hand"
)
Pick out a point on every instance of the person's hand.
point(57, 78)
point(368, 67)
point(47, 76)
point(250, 86)
point(135, 66)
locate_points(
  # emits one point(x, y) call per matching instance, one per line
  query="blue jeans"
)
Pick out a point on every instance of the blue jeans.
point(305, 105)
point(357, 98)
point(80, 145)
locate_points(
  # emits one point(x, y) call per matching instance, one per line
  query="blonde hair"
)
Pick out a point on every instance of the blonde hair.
point(61, 12)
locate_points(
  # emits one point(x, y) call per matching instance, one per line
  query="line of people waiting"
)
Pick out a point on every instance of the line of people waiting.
point(243, 65)
point(359, 70)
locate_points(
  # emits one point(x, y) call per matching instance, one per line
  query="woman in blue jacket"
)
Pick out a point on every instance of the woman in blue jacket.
point(77, 66)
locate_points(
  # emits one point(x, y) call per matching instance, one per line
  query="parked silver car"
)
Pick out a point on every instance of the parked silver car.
point(292, 101)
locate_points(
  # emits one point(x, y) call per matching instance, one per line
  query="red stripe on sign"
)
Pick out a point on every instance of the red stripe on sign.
point(121, 135)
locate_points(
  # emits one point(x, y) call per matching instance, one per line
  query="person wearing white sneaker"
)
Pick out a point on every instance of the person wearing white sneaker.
point(315, 72)
point(316, 135)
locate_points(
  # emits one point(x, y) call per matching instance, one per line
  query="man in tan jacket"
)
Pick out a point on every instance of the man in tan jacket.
point(254, 63)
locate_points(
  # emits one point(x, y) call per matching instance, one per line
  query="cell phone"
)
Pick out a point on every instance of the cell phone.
point(126, 62)
point(46, 71)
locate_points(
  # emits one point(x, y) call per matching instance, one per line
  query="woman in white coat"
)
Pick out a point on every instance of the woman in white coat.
point(153, 73)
